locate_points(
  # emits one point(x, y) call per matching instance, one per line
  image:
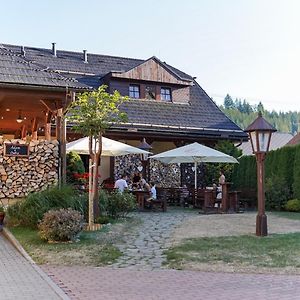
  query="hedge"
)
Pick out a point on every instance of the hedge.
point(282, 165)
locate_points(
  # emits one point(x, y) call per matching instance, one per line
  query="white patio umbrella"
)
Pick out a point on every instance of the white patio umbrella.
point(109, 147)
point(194, 153)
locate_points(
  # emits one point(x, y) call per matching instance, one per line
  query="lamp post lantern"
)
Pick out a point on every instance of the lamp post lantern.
point(260, 132)
point(145, 146)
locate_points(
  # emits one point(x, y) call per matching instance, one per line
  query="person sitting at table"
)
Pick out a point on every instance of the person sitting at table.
point(135, 180)
point(153, 194)
point(184, 196)
point(121, 184)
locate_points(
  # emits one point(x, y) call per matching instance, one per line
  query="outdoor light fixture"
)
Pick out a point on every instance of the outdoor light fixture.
point(145, 146)
point(19, 119)
point(260, 132)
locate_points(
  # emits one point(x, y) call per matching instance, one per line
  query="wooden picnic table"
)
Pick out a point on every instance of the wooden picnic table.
point(140, 198)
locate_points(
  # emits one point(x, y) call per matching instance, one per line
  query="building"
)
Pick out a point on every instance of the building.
point(278, 140)
point(167, 106)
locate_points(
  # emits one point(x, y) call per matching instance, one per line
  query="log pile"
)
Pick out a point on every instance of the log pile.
point(163, 175)
point(21, 175)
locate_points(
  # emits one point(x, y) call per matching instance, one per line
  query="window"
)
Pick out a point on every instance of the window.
point(165, 94)
point(134, 91)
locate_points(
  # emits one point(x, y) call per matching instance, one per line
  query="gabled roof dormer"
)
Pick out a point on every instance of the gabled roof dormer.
point(153, 70)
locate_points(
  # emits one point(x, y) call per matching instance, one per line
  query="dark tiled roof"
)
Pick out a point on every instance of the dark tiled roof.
point(201, 113)
point(14, 69)
point(97, 66)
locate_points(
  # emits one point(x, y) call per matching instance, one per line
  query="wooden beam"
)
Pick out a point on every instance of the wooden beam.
point(23, 132)
point(50, 105)
point(48, 126)
point(34, 127)
point(32, 94)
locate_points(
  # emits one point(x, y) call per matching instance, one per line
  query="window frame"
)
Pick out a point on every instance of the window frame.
point(163, 95)
point(134, 94)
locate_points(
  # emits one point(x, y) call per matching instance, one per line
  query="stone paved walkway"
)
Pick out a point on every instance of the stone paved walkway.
point(125, 284)
point(19, 279)
point(144, 249)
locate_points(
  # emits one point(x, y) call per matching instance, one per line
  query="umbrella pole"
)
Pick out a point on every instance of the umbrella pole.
point(195, 166)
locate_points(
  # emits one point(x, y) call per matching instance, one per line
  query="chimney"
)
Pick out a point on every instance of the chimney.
point(54, 49)
point(85, 56)
point(23, 51)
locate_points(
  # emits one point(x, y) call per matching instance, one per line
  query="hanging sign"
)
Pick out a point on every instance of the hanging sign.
point(21, 150)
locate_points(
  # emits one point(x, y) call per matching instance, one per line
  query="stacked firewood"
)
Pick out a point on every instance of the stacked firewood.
point(21, 175)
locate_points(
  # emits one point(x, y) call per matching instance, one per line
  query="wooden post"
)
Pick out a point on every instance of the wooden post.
point(48, 126)
point(224, 197)
point(61, 137)
point(23, 132)
point(34, 128)
point(261, 218)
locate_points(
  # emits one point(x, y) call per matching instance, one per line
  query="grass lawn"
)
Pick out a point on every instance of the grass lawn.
point(238, 253)
point(286, 214)
point(93, 248)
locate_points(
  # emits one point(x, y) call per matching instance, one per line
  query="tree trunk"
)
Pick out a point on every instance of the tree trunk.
point(97, 159)
point(94, 163)
point(91, 198)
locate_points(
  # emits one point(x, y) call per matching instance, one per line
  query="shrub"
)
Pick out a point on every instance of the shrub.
point(293, 205)
point(102, 220)
point(31, 210)
point(60, 225)
point(116, 204)
point(277, 193)
point(74, 166)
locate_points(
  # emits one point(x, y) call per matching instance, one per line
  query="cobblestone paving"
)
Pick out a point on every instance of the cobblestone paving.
point(144, 249)
point(18, 278)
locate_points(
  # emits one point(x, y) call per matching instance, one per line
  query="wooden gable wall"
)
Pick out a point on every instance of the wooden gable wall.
point(151, 70)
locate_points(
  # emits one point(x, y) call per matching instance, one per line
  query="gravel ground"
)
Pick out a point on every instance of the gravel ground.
point(230, 225)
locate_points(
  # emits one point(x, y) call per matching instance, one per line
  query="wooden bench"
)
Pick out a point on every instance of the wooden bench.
point(248, 198)
point(161, 201)
point(198, 198)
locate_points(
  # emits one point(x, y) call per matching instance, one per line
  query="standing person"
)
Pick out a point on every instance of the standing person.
point(219, 195)
point(121, 183)
point(142, 180)
point(222, 177)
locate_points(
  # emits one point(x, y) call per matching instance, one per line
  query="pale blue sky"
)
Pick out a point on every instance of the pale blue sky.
point(247, 48)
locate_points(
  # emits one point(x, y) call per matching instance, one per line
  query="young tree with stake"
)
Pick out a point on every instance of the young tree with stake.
point(91, 114)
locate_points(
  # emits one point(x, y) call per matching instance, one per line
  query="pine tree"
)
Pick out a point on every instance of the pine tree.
point(228, 102)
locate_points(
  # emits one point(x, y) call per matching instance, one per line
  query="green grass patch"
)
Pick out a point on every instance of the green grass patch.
point(287, 214)
point(274, 251)
point(93, 248)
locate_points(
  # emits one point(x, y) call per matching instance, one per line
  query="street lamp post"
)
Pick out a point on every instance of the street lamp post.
point(145, 146)
point(260, 132)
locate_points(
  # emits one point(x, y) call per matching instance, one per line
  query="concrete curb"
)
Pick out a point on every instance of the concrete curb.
point(10, 237)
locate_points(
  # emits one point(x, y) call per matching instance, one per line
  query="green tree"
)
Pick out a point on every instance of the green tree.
point(296, 184)
point(74, 166)
point(92, 113)
point(228, 102)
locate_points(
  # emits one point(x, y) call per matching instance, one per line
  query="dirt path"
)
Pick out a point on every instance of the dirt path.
point(230, 225)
